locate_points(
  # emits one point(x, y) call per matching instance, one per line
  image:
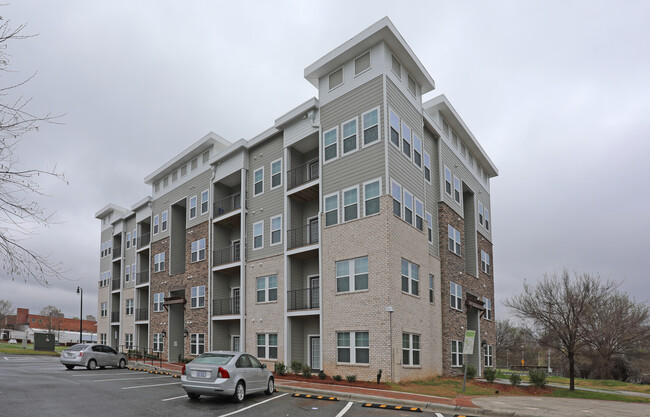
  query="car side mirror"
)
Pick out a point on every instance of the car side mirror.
point(263, 366)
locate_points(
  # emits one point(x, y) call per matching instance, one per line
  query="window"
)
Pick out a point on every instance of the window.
point(204, 202)
point(397, 67)
point(205, 157)
point(330, 144)
point(463, 150)
point(128, 340)
point(336, 78)
point(267, 289)
point(175, 176)
point(331, 209)
point(129, 307)
point(448, 181)
point(276, 230)
point(487, 218)
point(417, 151)
point(192, 207)
point(456, 294)
point(258, 182)
point(134, 235)
point(419, 215)
point(258, 235)
point(198, 296)
point(127, 273)
point(193, 164)
point(156, 187)
point(276, 174)
point(156, 223)
point(183, 171)
point(410, 349)
point(396, 192)
point(362, 63)
point(445, 127)
point(158, 342)
point(352, 347)
point(370, 121)
point(371, 191)
point(456, 353)
point(480, 213)
point(456, 190)
point(128, 240)
point(454, 138)
point(349, 135)
point(104, 310)
point(159, 262)
point(454, 239)
point(158, 300)
point(198, 250)
point(429, 227)
point(410, 277)
point(488, 308)
point(163, 223)
point(408, 207)
point(427, 167)
point(406, 140)
point(344, 271)
point(485, 262)
point(411, 85)
point(431, 293)
point(350, 204)
point(394, 129)
point(165, 182)
point(197, 343)
point(487, 354)
point(267, 345)
point(102, 338)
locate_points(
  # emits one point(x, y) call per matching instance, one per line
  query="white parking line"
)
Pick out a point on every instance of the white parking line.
point(154, 385)
point(345, 409)
point(175, 398)
point(254, 405)
point(439, 415)
point(129, 379)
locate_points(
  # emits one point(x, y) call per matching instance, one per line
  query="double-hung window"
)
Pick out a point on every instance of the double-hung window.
point(204, 202)
point(198, 250)
point(448, 180)
point(352, 347)
point(406, 140)
point(276, 230)
point(158, 342)
point(129, 307)
point(394, 129)
point(352, 275)
point(163, 223)
point(198, 296)
point(456, 353)
point(159, 262)
point(480, 213)
point(487, 303)
point(258, 182)
point(276, 174)
point(331, 209)
point(104, 310)
point(349, 135)
point(134, 238)
point(371, 191)
point(487, 354)
point(267, 345)
point(485, 262)
point(429, 227)
point(128, 340)
point(487, 218)
point(370, 121)
point(396, 192)
point(454, 239)
point(128, 240)
point(427, 167)
point(408, 207)
point(258, 235)
point(197, 343)
point(417, 151)
point(156, 224)
point(410, 277)
point(431, 293)
point(350, 204)
point(267, 289)
point(158, 300)
point(330, 144)
point(410, 349)
point(456, 296)
point(419, 214)
point(457, 190)
point(193, 207)
point(127, 273)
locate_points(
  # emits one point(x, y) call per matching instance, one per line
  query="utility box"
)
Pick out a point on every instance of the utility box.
point(44, 341)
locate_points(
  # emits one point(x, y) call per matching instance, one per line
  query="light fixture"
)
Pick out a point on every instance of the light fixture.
point(185, 333)
point(164, 333)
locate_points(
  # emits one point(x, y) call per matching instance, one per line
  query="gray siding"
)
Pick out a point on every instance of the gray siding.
point(105, 262)
point(129, 254)
point(433, 189)
point(177, 245)
point(230, 164)
point(298, 130)
point(470, 235)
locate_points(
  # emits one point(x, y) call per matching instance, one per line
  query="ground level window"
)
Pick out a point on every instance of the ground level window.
point(410, 349)
point(267, 345)
point(487, 353)
point(353, 347)
point(158, 342)
point(456, 353)
point(197, 343)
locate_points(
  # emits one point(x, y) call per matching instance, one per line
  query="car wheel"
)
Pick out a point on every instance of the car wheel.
point(92, 364)
point(122, 364)
point(240, 392)
point(270, 387)
point(69, 366)
point(193, 396)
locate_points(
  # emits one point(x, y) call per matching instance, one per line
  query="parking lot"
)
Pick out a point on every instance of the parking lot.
point(41, 386)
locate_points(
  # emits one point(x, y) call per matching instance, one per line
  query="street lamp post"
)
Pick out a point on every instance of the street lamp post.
point(80, 291)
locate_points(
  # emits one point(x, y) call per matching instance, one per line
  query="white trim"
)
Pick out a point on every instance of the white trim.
point(410, 141)
point(399, 76)
point(255, 182)
point(424, 166)
point(338, 208)
point(198, 250)
point(413, 137)
point(353, 347)
point(207, 209)
point(456, 233)
point(166, 214)
point(363, 128)
point(271, 176)
point(415, 85)
point(354, 64)
point(356, 187)
point(255, 224)
point(399, 130)
point(429, 219)
point(412, 208)
point(156, 219)
point(401, 198)
point(329, 87)
point(335, 143)
point(198, 297)
point(458, 299)
point(271, 230)
point(196, 206)
point(460, 191)
point(363, 187)
point(422, 216)
point(356, 136)
point(451, 182)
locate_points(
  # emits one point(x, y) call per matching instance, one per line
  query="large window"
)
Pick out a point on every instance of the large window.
point(330, 145)
point(406, 140)
point(410, 277)
point(350, 204)
point(197, 343)
point(394, 129)
point(276, 174)
point(371, 191)
point(198, 296)
point(456, 353)
point(431, 292)
point(353, 347)
point(487, 353)
point(419, 214)
point(276, 230)
point(370, 121)
point(258, 235)
point(396, 192)
point(487, 303)
point(129, 307)
point(193, 207)
point(158, 300)
point(163, 223)
point(408, 207)
point(456, 296)
point(158, 342)
point(267, 345)
point(267, 289)
point(448, 180)
point(331, 209)
point(258, 181)
point(485, 262)
point(417, 151)
point(159, 262)
point(410, 349)
point(198, 250)
point(204, 201)
point(427, 167)
point(429, 227)
point(349, 135)
point(454, 239)
point(352, 275)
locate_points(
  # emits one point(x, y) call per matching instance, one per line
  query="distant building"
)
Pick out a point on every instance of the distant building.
point(22, 324)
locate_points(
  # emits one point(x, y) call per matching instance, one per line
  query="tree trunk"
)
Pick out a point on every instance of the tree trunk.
point(572, 372)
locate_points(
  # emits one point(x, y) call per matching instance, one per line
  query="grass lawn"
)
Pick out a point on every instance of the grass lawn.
point(17, 349)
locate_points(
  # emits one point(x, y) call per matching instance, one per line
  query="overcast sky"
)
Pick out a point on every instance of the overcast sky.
point(558, 94)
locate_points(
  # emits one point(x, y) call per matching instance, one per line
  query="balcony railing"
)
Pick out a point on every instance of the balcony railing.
point(226, 205)
point(144, 240)
point(142, 314)
point(115, 316)
point(142, 277)
point(302, 236)
point(115, 285)
point(117, 252)
point(305, 299)
point(302, 173)
point(225, 306)
point(226, 255)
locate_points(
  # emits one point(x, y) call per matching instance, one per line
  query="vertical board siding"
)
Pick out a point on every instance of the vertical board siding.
point(433, 189)
point(176, 262)
point(470, 235)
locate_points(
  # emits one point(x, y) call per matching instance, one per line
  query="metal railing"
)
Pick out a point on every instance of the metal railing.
point(115, 316)
point(225, 306)
point(226, 205)
point(142, 314)
point(143, 240)
point(115, 284)
point(305, 299)
point(141, 354)
point(117, 252)
point(302, 236)
point(142, 277)
point(302, 173)
point(226, 255)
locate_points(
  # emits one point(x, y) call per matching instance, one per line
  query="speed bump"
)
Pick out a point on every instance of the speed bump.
point(315, 397)
point(393, 407)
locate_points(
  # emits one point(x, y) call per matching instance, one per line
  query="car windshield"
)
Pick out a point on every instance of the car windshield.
point(214, 358)
point(77, 347)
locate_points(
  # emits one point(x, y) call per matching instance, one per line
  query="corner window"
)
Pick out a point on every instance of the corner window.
point(429, 228)
point(448, 180)
point(336, 78)
point(454, 239)
point(330, 144)
point(456, 353)
point(267, 345)
point(410, 277)
point(276, 174)
point(204, 201)
point(410, 349)
point(349, 135)
point(192, 207)
point(408, 207)
point(370, 122)
point(159, 262)
point(396, 66)
point(419, 215)
point(487, 303)
point(362, 63)
point(197, 343)
point(276, 230)
point(158, 300)
point(350, 204)
point(331, 209)
point(456, 190)
point(396, 193)
point(417, 151)
point(371, 191)
point(485, 262)
point(352, 275)
point(198, 250)
point(267, 289)
point(258, 235)
point(456, 296)
point(198, 296)
point(163, 224)
point(156, 224)
point(427, 167)
point(406, 140)
point(394, 129)
point(352, 347)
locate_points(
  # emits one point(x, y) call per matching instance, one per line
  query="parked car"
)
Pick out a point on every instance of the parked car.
point(226, 373)
point(92, 355)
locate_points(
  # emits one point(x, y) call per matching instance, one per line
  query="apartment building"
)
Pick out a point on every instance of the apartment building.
point(352, 235)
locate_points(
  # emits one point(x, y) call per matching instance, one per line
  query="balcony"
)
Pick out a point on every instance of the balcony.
point(303, 236)
point(142, 277)
point(117, 252)
point(115, 285)
point(142, 314)
point(302, 174)
point(144, 240)
point(226, 255)
point(305, 299)
point(225, 306)
point(115, 316)
point(227, 205)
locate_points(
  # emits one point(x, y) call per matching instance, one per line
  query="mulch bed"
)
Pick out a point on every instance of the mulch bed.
point(329, 380)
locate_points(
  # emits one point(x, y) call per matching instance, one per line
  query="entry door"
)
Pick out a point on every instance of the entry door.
point(235, 301)
point(235, 343)
point(314, 352)
point(314, 292)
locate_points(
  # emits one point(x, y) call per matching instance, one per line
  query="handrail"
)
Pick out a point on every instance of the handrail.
point(302, 236)
point(226, 255)
point(304, 299)
point(302, 173)
point(227, 204)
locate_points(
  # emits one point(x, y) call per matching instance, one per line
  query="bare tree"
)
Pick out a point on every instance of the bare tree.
point(6, 308)
point(53, 318)
point(20, 214)
point(556, 308)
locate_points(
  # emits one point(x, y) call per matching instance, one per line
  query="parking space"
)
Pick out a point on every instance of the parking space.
point(42, 386)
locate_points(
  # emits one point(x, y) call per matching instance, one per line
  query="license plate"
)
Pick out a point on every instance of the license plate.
point(201, 374)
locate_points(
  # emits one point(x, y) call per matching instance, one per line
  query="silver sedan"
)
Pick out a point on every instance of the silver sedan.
point(92, 355)
point(226, 373)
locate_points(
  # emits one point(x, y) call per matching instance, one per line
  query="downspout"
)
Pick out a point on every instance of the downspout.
point(210, 277)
